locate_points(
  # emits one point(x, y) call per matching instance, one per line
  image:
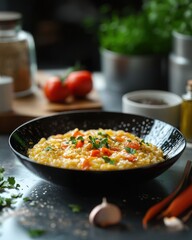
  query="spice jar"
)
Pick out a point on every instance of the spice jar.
point(17, 53)
point(186, 114)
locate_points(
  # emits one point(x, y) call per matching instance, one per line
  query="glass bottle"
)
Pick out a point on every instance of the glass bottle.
point(17, 53)
point(186, 114)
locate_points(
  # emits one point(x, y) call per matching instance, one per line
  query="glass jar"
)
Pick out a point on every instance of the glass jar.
point(17, 53)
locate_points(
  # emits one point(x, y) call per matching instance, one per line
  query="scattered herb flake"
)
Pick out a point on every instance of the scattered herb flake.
point(36, 232)
point(73, 140)
point(11, 181)
point(5, 185)
point(103, 134)
point(48, 148)
point(99, 143)
point(19, 195)
point(108, 160)
point(1, 173)
point(80, 138)
point(26, 199)
point(130, 150)
point(75, 208)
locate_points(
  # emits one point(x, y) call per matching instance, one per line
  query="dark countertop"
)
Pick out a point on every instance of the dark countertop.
point(49, 206)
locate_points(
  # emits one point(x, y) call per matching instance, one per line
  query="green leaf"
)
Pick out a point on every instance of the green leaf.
point(108, 160)
point(93, 142)
point(73, 140)
point(80, 138)
point(11, 181)
point(130, 150)
point(99, 143)
point(104, 143)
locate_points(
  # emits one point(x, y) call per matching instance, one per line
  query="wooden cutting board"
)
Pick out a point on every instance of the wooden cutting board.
point(36, 105)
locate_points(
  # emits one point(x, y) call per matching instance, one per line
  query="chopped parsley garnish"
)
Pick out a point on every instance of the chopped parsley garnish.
point(9, 183)
point(1, 173)
point(80, 138)
point(48, 148)
point(6, 202)
point(36, 232)
point(108, 160)
point(142, 141)
point(103, 134)
point(26, 199)
point(99, 143)
point(19, 195)
point(75, 208)
point(5, 185)
point(74, 139)
point(130, 150)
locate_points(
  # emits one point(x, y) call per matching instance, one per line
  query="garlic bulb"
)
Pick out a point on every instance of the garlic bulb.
point(174, 223)
point(105, 214)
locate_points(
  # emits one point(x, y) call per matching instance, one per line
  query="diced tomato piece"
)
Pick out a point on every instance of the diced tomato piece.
point(77, 133)
point(106, 151)
point(86, 164)
point(119, 139)
point(134, 145)
point(131, 158)
point(95, 153)
point(115, 149)
point(79, 144)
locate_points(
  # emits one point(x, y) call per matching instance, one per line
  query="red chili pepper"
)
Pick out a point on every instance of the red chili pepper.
point(179, 204)
point(157, 208)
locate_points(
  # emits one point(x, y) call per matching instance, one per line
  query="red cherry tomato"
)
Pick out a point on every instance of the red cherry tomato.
point(80, 83)
point(55, 90)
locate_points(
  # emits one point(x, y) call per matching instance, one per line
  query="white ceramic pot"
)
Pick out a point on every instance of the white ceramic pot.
point(156, 104)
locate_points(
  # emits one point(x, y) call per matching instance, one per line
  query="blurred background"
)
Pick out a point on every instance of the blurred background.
point(59, 30)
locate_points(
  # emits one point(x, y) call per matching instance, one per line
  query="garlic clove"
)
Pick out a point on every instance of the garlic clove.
point(174, 223)
point(105, 214)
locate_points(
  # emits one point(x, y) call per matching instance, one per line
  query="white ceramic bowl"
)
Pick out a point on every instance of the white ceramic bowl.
point(157, 104)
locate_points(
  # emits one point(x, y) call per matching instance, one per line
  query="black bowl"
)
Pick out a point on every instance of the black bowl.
point(157, 132)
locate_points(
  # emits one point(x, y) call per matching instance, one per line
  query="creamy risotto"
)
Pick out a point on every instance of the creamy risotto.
point(101, 149)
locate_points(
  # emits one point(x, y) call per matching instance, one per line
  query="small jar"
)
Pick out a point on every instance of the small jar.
point(17, 53)
point(186, 114)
